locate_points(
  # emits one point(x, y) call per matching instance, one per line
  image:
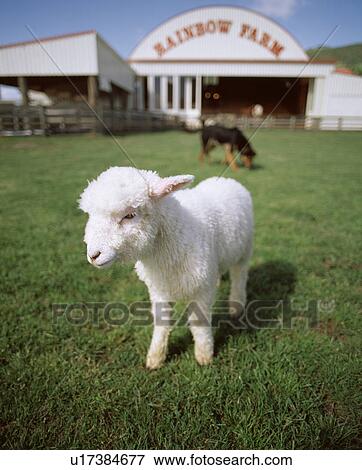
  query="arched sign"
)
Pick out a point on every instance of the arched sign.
point(219, 33)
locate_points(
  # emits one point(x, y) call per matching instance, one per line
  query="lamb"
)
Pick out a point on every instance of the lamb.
point(181, 241)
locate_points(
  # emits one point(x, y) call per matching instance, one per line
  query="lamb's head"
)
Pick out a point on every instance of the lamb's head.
point(124, 216)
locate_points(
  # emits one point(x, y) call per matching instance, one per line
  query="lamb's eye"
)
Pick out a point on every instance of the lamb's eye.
point(130, 215)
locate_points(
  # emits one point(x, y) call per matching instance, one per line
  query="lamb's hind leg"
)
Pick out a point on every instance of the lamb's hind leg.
point(239, 278)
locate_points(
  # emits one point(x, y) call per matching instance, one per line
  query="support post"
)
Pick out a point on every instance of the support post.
point(151, 92)
point(164, 92)
point(92, 90)
point(140, 94)
point(23, 87)
point(129, 102)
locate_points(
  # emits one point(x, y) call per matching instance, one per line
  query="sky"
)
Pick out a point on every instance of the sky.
point(123, 23)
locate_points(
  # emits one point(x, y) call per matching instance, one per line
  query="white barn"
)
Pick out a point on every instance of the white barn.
point(60, 66)
point(230, 59)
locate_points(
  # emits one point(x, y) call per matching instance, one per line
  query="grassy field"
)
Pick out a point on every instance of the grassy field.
point(65, 385)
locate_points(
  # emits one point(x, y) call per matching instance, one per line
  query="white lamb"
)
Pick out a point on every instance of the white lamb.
point(181, 242)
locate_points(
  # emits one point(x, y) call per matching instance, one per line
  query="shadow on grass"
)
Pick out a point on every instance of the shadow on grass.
point(240, 165)
point(270, 281)
point(256, 166)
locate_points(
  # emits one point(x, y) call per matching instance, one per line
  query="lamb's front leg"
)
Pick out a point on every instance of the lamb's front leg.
point(156, 356)
point(200, 326)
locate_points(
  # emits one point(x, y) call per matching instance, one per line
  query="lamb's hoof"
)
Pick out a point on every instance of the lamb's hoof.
point(203, 357)
point(154, 361)
point(235, 315)
point(236, 309)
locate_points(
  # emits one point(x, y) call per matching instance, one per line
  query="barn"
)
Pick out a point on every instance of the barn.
point(227, 59)
point(67, 69)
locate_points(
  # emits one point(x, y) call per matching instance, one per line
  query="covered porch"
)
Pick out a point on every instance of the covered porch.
point(194, 96)
point(70, 90)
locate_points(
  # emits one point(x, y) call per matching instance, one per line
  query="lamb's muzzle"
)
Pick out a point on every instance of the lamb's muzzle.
point(181, 242)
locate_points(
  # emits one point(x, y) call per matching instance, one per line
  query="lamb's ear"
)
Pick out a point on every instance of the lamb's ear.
point(167, 185)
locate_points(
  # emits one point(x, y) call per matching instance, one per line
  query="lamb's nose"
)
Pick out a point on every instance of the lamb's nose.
point(95, 256)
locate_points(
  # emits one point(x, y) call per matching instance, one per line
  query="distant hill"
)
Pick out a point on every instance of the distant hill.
point(346, 56)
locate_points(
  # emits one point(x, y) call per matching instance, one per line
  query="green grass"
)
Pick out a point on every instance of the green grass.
point(70, 386)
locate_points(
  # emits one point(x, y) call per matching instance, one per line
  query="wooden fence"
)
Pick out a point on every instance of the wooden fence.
point(37, 120)
point(353, 123)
